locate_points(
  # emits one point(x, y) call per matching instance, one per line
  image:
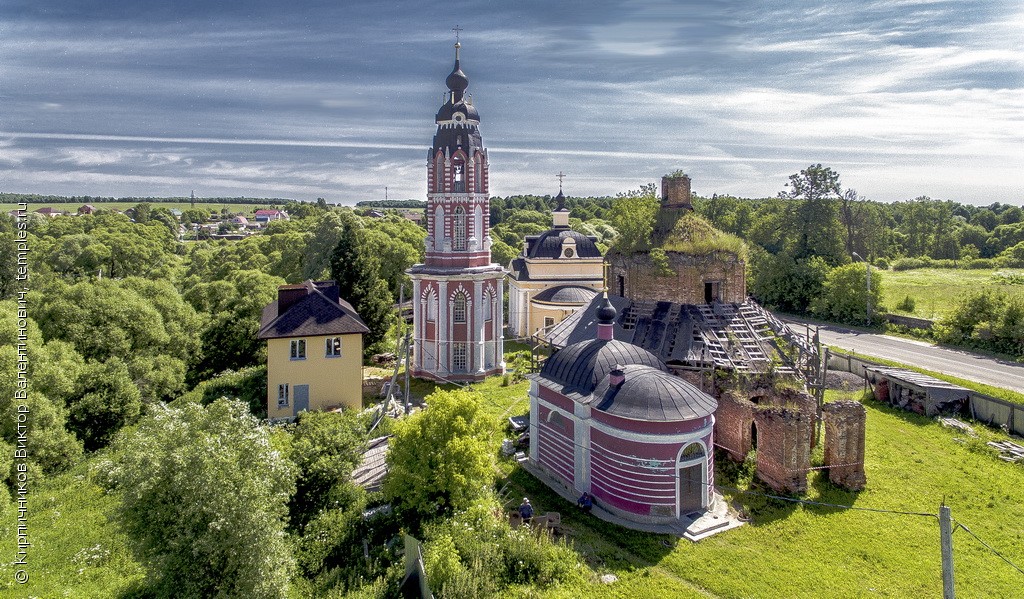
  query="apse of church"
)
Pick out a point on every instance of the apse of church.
point(457, 291)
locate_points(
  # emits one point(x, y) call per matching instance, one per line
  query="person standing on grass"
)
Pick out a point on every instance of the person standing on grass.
point(526, 510)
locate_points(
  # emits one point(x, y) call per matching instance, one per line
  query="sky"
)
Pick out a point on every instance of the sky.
point(336, 99)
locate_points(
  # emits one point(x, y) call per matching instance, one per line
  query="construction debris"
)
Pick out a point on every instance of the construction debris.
point(960, 425)
point(1009, 451)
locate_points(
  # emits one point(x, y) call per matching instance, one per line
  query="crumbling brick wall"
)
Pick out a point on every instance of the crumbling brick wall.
point(642, 280)
point(783, 447)
point(803, 402)
point(845, 427)
point(732, 425)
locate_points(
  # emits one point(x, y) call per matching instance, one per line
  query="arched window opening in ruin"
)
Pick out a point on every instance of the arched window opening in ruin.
point(753, 436)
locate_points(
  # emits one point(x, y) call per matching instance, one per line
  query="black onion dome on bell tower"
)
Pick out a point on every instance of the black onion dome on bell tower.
point(457, 119)
point(457, 81)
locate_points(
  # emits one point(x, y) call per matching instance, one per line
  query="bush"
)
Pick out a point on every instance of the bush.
point(980, 264)
point(908, 264)
point(248, 385)
point(881, 264)
point(906, 304)
point(845, 296)
point(476, 553)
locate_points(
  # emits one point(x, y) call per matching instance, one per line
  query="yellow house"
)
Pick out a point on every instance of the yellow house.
point(557, 272)
point(314, 350)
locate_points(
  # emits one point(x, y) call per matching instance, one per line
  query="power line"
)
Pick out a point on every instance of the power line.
point(823, 504)
point(989, 547)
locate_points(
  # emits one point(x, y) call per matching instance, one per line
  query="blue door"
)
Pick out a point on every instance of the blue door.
point(301, 395)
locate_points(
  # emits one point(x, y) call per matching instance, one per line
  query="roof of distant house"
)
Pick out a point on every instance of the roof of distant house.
point(268, 212)
point(319, 312)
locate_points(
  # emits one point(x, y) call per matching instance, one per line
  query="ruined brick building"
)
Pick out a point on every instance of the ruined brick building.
point(683, 299)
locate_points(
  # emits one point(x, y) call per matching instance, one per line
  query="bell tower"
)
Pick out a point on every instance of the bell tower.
point(457, 291)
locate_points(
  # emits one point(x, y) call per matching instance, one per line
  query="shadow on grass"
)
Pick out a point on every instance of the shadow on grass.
point(581, 528)
point(909, 417)
point(137, 590)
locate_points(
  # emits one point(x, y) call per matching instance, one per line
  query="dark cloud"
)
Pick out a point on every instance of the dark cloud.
point(334, 98)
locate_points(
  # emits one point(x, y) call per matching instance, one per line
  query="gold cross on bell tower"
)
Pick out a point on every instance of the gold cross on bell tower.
point(457, 29)
point(560, 176)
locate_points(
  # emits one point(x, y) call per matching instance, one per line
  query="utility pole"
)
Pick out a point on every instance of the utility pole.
point(946, 531)
point(408, 365)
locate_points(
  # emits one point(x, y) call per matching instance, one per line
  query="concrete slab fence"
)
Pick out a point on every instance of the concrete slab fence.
point(983, 408)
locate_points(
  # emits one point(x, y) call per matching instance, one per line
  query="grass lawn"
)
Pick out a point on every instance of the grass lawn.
point(936, 290)
point(788, 550)
point(76, 551)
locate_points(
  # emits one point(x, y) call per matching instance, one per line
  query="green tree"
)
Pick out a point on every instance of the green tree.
point(203, 498)
point(106, 401)
point(632, 215)
point(787, 283)
point(53, 371)
point(443, 458)
point(356, 269)
point(815, 218)
point(235, 306)
point(8, 257)
point(326, 447)
point(844, 295)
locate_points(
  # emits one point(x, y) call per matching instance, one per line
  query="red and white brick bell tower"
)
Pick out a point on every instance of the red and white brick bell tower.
point(457, 291)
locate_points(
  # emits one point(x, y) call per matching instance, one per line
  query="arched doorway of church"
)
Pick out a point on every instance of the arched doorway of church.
point(692, 478)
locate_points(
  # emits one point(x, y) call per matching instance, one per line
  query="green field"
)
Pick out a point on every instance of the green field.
point(936, 290)
point(73, 207)
point(788, 550)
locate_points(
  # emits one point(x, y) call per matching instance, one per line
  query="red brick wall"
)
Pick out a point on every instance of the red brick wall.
point(732, 425)
point(783, 448)
point(645, 282)
point(845, 426)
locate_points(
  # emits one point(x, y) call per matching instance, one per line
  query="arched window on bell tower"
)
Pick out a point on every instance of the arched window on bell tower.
point(439, 174)
point(459, 230)
point(459, 308)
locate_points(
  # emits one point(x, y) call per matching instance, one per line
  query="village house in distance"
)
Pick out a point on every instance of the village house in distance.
point(314, 350)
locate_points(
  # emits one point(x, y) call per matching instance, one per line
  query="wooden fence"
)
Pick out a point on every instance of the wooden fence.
point(983, 408)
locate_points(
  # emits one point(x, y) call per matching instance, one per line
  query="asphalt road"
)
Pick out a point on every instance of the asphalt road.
point(982, 369)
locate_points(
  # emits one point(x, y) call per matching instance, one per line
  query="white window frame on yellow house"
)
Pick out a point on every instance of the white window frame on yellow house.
point(332, 347)
point(282, 395)
point(298, 349)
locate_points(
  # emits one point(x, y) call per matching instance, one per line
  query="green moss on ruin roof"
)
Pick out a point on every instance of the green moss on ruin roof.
point(694, 235)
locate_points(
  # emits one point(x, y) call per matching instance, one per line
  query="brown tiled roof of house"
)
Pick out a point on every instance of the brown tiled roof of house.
point(317, 313)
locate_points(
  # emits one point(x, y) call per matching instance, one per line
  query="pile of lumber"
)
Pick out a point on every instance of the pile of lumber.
point(1009, 451)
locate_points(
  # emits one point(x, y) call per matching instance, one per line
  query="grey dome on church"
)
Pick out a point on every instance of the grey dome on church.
point(566, 294)
point(581, 366)
point(549, 244)
point(653, 395)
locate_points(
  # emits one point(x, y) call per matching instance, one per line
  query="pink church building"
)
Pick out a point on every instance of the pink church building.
point(457, 291)
point(608, 418)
